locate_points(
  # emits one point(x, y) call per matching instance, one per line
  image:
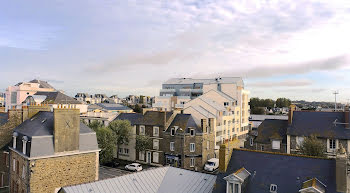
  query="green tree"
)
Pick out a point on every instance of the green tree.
point(283, 102)
point(106, 142)
point(269, 103)
point(143, 142)
point(254, 102)
point(312, 147)
point(122, 132)
point(258, 111)
point(95, 125)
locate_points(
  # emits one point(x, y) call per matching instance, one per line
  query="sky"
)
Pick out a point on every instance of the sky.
point(290, 48)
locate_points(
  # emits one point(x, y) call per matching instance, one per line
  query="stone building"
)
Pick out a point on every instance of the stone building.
point(188, 144)
point(50, 150)
point(269, 136)
point(332, 128)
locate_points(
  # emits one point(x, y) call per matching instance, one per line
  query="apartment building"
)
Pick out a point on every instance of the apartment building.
point(16, 94)
point(50, 150)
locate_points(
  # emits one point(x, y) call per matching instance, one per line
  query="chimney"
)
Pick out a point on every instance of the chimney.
point(34, 109)
point(341, 168)
point(204, 125)
point(292, 108)
point(223, 160)
point(346, 117)
point(211, 124)
point(66, 129)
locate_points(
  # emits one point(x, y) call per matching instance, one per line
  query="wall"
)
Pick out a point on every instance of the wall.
point(131, 146)
point(16, 181)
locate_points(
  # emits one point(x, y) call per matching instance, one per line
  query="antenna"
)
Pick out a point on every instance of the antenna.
point(335, 101)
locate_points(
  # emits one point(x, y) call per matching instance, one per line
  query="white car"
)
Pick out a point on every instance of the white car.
point(136, 167)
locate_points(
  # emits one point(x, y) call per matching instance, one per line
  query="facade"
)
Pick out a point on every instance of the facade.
point(331, 128)
point(16, 94)
point(96, 98)
point(188, 144)
point(156, 180)
point(4, 154)
point(109, 108)
point(269, 136)
point(50, 150)
point(255, 171)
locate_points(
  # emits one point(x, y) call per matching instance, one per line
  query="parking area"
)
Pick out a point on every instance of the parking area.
point(110, 172)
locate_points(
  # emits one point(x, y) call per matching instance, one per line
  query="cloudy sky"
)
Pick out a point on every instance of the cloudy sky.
point(296, 49)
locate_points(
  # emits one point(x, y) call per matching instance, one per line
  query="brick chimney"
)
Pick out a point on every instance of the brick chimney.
point(292, 108)
point(66, 128)
point(341, 169)
point(346, 117)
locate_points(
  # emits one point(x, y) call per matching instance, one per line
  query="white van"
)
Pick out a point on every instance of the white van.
point(211, 165)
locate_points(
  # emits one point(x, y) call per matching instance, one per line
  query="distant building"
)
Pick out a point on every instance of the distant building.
point(16, 94)
point(50, 150)
point(2, 99)
point(54, 99)
point(155, 180)
point(270, 136)
point(102, 117)
point(96, 98)
point(109, 107)
point(263, 172)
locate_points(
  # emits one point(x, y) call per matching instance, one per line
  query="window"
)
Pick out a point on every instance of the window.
point(172, 132)
point(142, 155)
point(23, 172)
point(192, 162)
point(142, 130)
point(208, 145)
point(276, 144)
point(155, 144)
point(192, 147)
point(172, 146)
point(273, 188)
point(155, 131)
point(126, 151)
point(332, 144)
point(192, 132)
point(121, 150)
point(13, 97)
point(300, 141)
point(6, 159)
point(224, 122)
point(262, 148)
point(155, 157)
point(14, 165)
point(17, 167)
point(236, 188)
point(226, 104)
point(251, 141)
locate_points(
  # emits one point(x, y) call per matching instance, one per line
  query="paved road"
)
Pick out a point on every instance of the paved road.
point(107, 172)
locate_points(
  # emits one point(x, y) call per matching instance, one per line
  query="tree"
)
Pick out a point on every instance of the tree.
point(95, 125)
point(143, 142)
point(122, 132)
point(312, 147)
point(254, 102)
point(269, 103)
point(258, 111)
point(106, 142)
point(283, 102)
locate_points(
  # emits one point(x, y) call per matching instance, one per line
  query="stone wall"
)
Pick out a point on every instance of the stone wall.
point(4, 167)
point(52, 173)
point(18, 181)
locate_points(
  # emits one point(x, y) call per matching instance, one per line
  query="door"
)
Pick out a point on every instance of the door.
point(149, 157)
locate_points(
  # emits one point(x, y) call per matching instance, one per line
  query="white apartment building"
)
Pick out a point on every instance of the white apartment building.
point(221, 98)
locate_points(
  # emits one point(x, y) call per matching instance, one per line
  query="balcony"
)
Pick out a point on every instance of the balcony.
point(179, 106)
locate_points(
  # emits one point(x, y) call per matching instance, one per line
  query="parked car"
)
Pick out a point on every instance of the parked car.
point(136, 167)
point(211, 165)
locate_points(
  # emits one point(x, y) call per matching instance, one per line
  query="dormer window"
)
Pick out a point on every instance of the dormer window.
point(251, 141)
point(172, 131)
point(142, 130)
point(24, 140)
point(235, 180)
point(192, 132)
point(15, 135)
point(273, 188)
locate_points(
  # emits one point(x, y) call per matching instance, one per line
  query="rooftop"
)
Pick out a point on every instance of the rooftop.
point(158, 180)
point(235, 80)
point(53, 98)
point(272, 128)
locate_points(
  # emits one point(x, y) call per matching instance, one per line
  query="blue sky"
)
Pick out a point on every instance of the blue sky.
point(295, 49)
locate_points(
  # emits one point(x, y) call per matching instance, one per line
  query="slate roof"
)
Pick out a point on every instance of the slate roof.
point(157, 180)
point(185, 121)
point(272, 128)
point(3, 118)
point(43, 84)
point(39, 130)
point(321, 124)
point(57, 98)
point(288, 172)
point(134, 118)
point(113, 107)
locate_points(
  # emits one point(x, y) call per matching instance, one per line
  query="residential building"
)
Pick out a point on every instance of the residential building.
point(16, 94)
point(92, 99)
point(151, 124)
point(269, 136)
point(109, 108)
point(50, 150)
point(2, 99)
point(4, 155)
point(156, 180)
point(188, 143)
point(53, 99)
point(102, 117)
point(255, 171)
point(331, 128)
point(256, 120)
